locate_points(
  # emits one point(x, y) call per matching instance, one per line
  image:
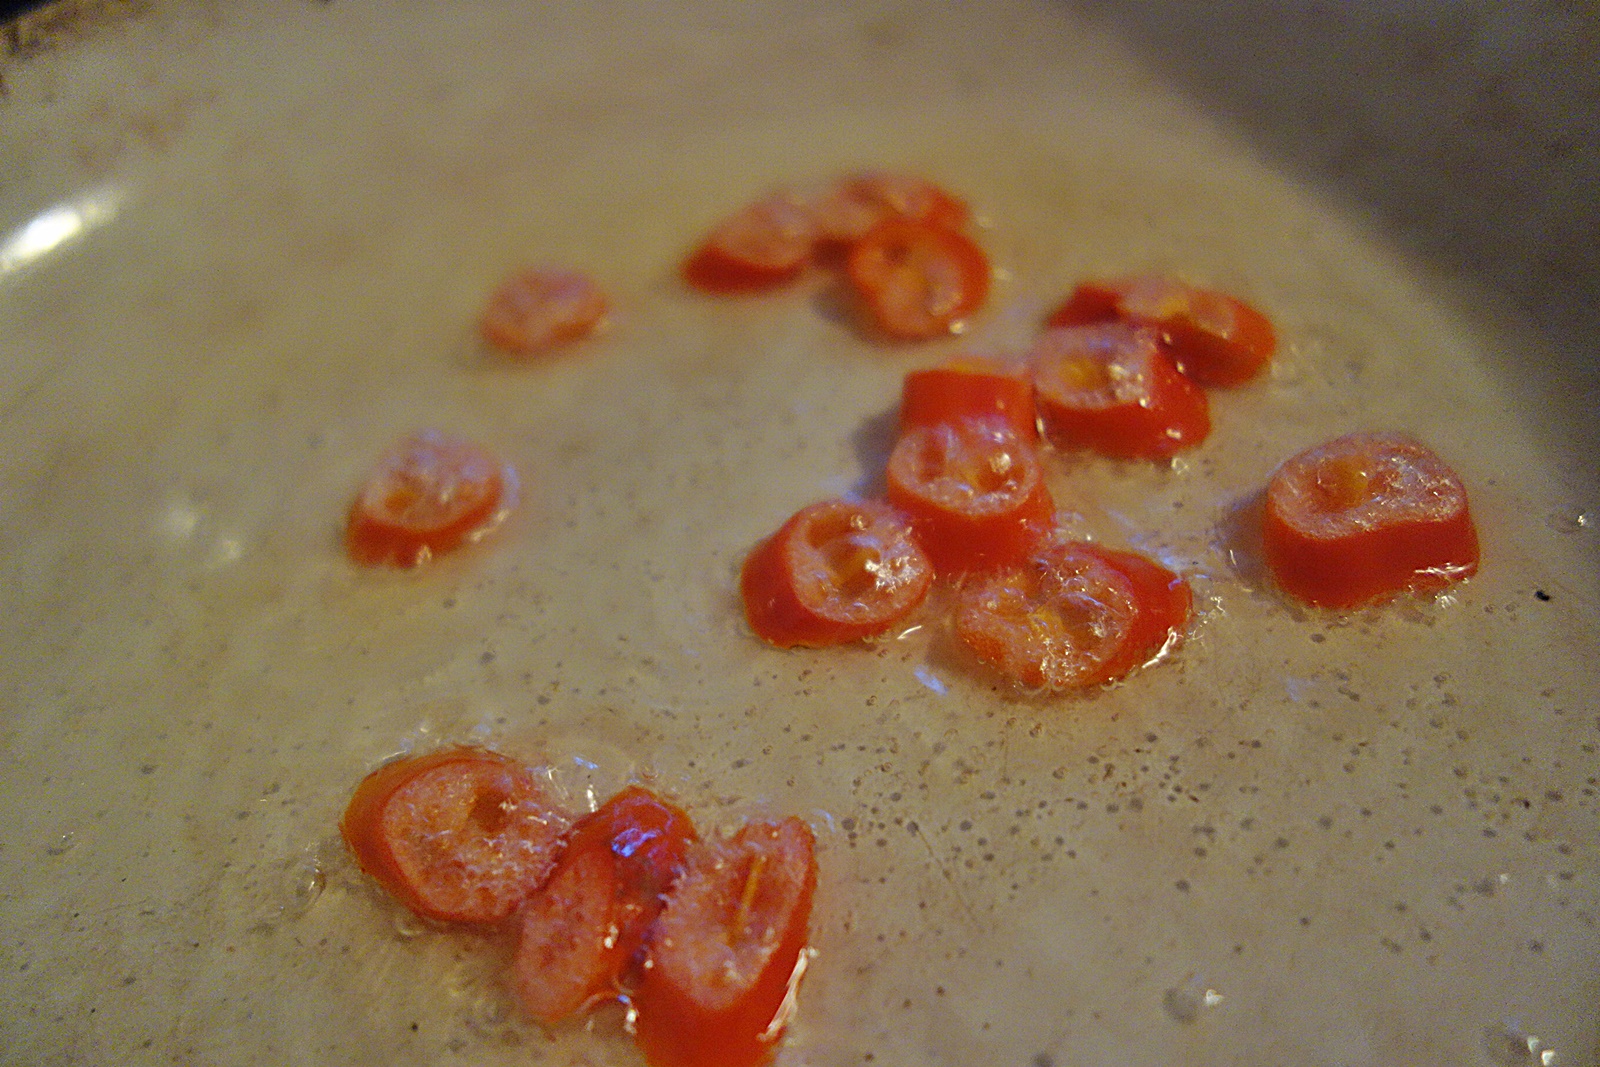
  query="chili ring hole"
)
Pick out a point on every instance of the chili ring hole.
point(841, 541)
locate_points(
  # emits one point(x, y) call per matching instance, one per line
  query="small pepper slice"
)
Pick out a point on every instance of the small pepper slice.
point(581, 933)
point(461, 835)
point(728, 952)
point(1076, 615)
point(969, 387)
point(1364, 517)
point(762, 246)
point(1110, 388)
point(917, 281)
point(974, 491)
point(1214, 338)
point(836, 571)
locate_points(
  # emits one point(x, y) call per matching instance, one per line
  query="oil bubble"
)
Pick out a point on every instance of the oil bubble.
point(487, 1013)
point(1185, 1003)
point(62, 844)
point(1509, 1045)
point(588, 772)
point(484, 1009)
point(1568, 523)
point(407, 925)
point(290, 887)
point(305, 883)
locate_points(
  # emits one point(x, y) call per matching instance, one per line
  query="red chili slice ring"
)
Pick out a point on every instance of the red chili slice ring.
point(835, 572)
point(974, 492)
point(1364, 517)
point(969, 387)
point(582, 932)
point(430, 494)
point(1090, 304)
point(1075, 616)
point(728, 952)
point(852, 206)
point(1165, 602)
point(539, 309)
point(917, 281)
point(1110, 388)
point(457, 836)
point(1214, 338)
point(765, 245)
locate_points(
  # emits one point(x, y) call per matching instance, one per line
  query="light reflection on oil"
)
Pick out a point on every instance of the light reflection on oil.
point(57, 226)
point(180, 520)
point(931, 681)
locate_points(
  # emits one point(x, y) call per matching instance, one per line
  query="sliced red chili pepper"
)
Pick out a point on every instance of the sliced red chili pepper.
point(974, 492)
point(852, 206)
point(727, 954)
point(969, 387)
point(1110, 388)
point(536, 310)
point(835, 572)
point(429, 494)
point(762, 246)
point(581, 933)
point(1164, 598)
point(1214, 338)
point(1364, 517)
point(1090, 303)
point(917, 281)
point(458, 836)
point(1075, 616)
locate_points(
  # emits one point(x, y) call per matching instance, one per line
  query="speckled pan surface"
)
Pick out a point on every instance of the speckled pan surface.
point(244, 245)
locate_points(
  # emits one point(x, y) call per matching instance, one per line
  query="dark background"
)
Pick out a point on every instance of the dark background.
point(11, 8)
